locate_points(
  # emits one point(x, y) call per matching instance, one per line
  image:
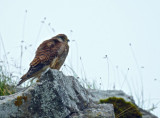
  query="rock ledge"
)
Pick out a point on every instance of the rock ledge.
point(55, 96)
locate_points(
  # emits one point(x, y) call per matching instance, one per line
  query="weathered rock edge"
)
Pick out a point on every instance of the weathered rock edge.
point(55, 96)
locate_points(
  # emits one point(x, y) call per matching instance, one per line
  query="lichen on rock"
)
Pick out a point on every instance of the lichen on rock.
point(20, 100)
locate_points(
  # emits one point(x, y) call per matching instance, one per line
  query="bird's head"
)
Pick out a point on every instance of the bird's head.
point(62, 38)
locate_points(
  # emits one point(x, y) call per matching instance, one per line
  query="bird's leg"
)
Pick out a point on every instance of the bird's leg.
point(38, 78)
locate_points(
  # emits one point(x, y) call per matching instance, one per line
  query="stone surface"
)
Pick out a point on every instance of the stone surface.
point(55, 96)
point(96, 95)
point(95, 111)
point(147, 114)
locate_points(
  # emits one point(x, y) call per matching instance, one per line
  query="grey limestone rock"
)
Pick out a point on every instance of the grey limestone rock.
point(55, 96)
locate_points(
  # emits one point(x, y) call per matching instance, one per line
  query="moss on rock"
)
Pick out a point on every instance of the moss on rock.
point(122, 108)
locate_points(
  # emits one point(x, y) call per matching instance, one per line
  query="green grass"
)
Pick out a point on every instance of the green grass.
point(6, 83)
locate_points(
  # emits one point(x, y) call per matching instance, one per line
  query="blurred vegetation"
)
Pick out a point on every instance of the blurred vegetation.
point(6, 83)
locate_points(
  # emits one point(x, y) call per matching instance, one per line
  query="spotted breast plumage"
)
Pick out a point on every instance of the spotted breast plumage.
point(50, 54)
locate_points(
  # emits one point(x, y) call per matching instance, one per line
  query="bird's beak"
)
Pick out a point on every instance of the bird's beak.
point(68, 40)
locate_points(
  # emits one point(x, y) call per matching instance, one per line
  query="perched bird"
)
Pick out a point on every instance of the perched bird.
point(50, 54)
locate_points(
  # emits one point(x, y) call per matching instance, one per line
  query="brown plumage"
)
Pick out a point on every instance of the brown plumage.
point(51, 53)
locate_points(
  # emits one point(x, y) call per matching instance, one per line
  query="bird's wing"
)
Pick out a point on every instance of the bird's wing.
point(43, 58)
point(44, 54)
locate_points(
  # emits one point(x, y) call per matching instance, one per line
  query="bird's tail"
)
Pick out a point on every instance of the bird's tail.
point(23, 79)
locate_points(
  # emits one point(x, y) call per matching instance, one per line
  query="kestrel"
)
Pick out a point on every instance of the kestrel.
point(50, 54)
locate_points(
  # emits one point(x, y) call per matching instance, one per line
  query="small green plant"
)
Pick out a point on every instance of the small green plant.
point(122, 108)
point(6, 84)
